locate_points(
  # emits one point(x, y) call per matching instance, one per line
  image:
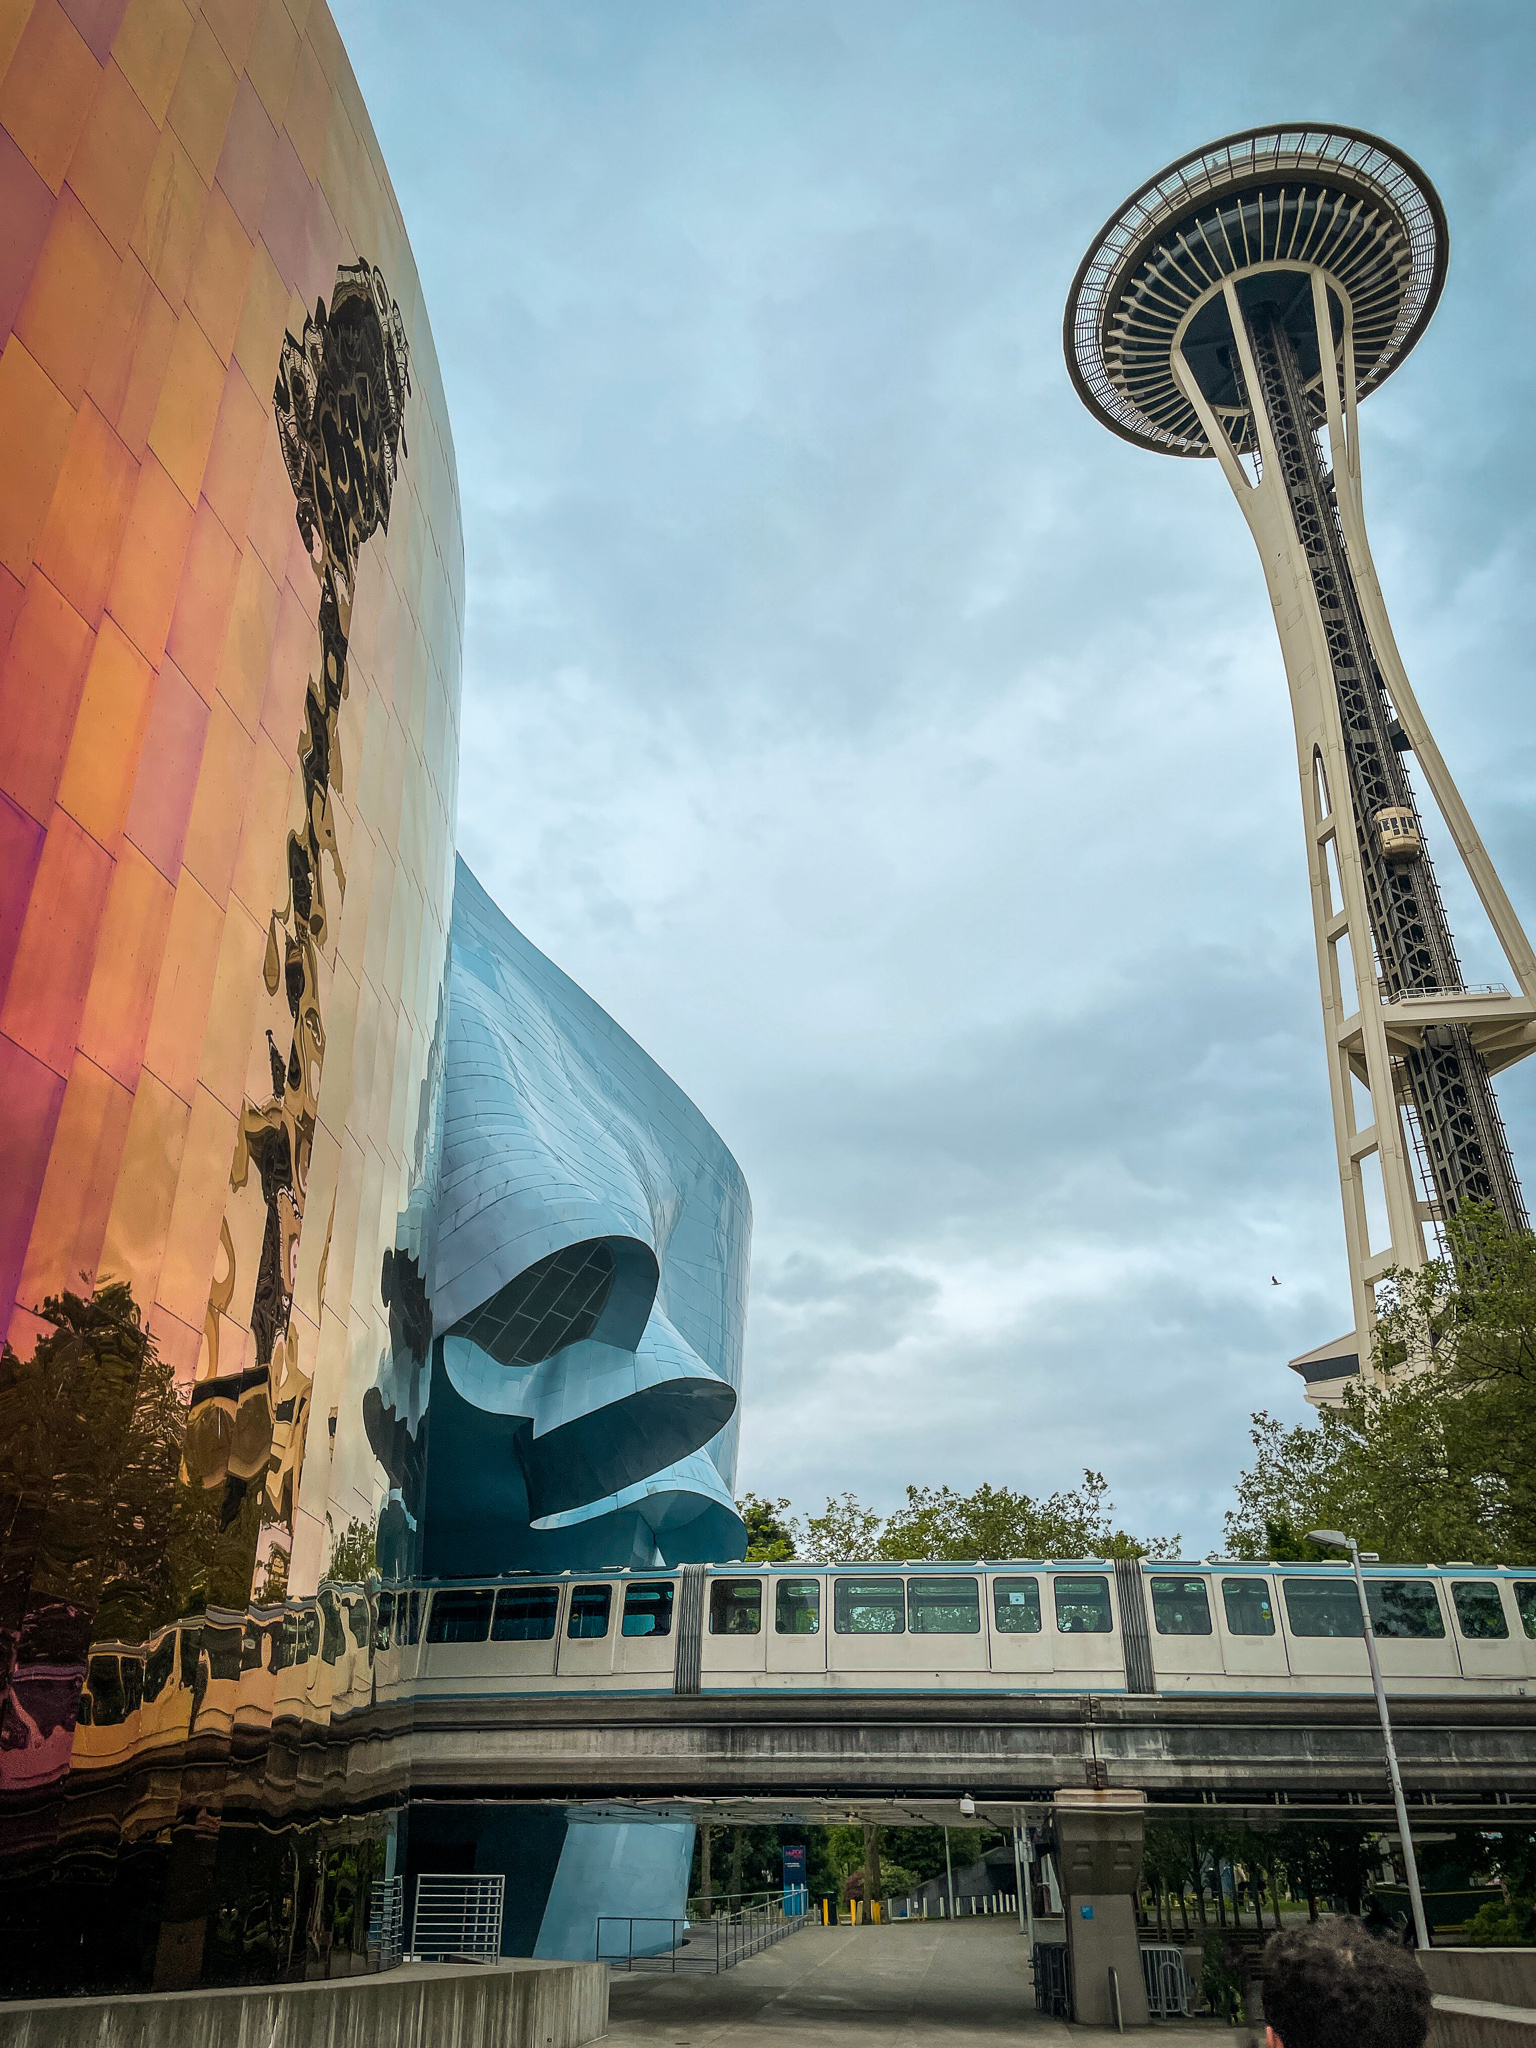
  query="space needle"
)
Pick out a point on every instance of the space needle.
point(1239, 306)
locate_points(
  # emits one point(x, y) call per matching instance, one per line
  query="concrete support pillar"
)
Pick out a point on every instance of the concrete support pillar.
point(1099, 1837)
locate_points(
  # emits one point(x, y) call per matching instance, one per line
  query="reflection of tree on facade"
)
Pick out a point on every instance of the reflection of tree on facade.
point(340, 404)
point(90, 1431)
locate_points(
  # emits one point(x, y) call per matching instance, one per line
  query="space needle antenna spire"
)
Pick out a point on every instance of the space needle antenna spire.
point(1239, 306)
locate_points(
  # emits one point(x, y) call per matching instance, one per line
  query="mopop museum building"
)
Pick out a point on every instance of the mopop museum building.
point(1237, 308)
point(342, 1237)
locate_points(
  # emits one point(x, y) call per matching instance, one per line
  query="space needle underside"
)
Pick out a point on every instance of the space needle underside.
point(1238, 307)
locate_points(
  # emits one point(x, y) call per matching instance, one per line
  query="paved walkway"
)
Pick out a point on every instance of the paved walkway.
point(864, 1987)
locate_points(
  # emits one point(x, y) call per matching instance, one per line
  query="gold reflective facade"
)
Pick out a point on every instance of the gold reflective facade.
point(231, 594)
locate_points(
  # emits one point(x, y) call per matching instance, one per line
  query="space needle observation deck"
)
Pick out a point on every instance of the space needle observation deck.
point(1239, 306)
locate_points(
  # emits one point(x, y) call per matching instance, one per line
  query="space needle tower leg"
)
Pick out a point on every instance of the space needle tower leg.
point(1226, 312)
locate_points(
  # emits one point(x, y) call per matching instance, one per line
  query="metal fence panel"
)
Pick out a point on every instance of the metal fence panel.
point(386, 1922)
point(1167, 1980)
point(1053, 1980)
point(457, 1918)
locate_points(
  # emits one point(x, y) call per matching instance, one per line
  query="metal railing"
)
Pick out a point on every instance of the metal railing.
point(386, 1922)
point(1053, 1980)
point(1440, 995)
point(1167, 1980)
point(457, 1919)
point(702, 1947)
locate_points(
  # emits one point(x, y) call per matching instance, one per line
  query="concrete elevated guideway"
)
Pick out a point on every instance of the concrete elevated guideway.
point(757, 1756)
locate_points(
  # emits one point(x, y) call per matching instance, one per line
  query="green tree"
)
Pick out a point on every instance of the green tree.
point(1438, 1460)
point(846, 1531)
point(993, 1522)
point(996, 1522)
point(772, 1534)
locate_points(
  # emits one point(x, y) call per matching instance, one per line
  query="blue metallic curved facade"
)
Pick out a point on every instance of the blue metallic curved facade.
point(580, 1241)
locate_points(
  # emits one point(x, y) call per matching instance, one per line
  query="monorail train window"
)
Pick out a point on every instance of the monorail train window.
point(1016, 1606)
point(1404, 1608)
point(1524, 1591)
point(1180, 1607)
point(359, 1623)
point(222, 1644)
point(589, 1611)
point(383, 1620)
point(736, 1607)
point(459, 1617)
point(1082, 1606)
point(1323, 1607)
point(1479, 1610)
point(943, 1607)
point(106, 1684)
point(159, 1664)
point(869, 1607)
point(1248, 1610)
point(648, 1609)
point(525, 1614)
point(333, 1642)
point(797, 1607)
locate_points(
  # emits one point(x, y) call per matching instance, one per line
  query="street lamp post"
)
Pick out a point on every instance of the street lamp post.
point(1340, 1541)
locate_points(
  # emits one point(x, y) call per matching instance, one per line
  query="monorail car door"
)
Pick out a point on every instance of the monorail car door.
point(1083, 1615)
point(1489, 1637)
point(1251, 1643)
point(733, 1627)
point(587, 1639)
point(647, 1626)
point(1018, 1638)
point(796, 1636)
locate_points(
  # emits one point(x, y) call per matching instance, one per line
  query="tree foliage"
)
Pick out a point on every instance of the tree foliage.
point(847, 1530)
point(1439, 1459)
point(993, 1522)
point(772, 1533)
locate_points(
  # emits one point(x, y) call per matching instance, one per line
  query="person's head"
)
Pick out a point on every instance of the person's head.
point(1335, 1985)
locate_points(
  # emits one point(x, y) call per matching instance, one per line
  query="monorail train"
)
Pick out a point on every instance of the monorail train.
point(1014, 1629)
point(1027, 1627)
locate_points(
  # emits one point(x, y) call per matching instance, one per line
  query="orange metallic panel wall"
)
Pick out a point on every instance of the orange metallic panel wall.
point(192, 204)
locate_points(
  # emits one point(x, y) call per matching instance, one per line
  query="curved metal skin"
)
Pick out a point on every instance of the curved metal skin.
point(587, 1241)
point(1240, 305)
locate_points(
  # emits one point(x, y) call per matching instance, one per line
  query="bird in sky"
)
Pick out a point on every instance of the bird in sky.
point(1273, 1281)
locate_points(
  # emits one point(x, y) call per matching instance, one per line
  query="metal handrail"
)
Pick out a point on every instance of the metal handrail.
point(717, 1943)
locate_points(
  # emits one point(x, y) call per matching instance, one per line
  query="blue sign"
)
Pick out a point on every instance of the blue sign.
point(795, 1896)
point(1085, 1912)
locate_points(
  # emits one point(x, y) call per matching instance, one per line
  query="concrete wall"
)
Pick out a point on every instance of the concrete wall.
point(510, 2005)
point(1472, 2023)
point(1484, 1997)
point(1503, 1976)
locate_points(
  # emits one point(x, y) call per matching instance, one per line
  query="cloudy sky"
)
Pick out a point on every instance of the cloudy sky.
point(902, 759)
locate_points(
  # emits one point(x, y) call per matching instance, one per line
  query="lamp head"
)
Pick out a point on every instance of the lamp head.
point(1335, 1537)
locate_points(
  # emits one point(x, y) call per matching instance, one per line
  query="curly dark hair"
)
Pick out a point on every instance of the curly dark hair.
point(1337, 1985)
